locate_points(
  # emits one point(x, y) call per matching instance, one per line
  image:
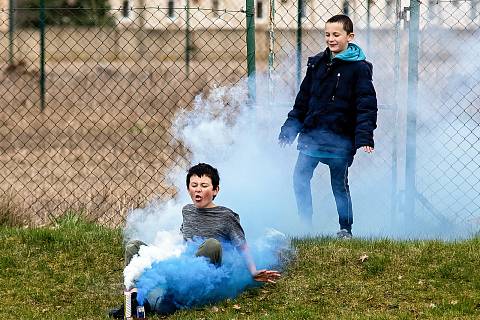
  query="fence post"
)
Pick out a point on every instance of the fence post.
point(396, 72)
point(410, 156)
point(271, 51)
point(11, 30)
point(42, 55)
point(250, 14)
point(187, 38)
point(299, 42)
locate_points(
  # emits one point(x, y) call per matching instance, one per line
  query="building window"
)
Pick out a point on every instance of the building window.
point(215, 7)
point(432, 9)
point(302, 4)
point(171, 12)
point(125, 9)
point(474, 10)
point(389, 9)
point(259, 9)
point(346, 7)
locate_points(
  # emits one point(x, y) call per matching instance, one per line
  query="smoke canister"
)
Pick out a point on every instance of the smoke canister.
point(140, 312)
point(128, 303)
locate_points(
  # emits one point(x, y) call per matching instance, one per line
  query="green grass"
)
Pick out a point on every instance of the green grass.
point(74, 271)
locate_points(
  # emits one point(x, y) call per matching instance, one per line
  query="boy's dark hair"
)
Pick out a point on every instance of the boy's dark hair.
point(344, 20)
point(204, 169)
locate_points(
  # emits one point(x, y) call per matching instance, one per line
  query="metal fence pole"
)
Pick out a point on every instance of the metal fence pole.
point(11, 30)
point(299, 42)
point(187, 38)
point(42, 55)
point(410, 161)
point(250, 14)
point(396, 79)
point(271, 50)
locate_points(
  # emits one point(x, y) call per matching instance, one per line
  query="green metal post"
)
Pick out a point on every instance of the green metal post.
point(396, 73)
point(187, 38)
point(11, 30)
point(42, 55)
point(299, 42)
point(250, 14)
point(271, 51)
point(411, 139)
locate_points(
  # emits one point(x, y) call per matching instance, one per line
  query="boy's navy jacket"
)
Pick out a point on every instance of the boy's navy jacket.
point(335, 110)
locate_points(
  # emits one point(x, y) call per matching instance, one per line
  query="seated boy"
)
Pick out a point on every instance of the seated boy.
point(214, 224)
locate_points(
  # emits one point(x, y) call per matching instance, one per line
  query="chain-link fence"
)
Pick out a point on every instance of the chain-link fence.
point(87, 106)
point(376, 31)
point(448, 113)
point(446, 132)
point(112, 81)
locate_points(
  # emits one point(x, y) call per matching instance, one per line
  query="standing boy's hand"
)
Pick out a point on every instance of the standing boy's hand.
point(282, 143)
point(284, 139)
point(367, 149)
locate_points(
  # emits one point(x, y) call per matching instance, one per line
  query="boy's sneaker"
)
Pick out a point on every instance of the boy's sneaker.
point(344, 234)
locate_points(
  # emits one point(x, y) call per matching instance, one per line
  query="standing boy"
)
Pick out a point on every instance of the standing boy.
point(335, 113)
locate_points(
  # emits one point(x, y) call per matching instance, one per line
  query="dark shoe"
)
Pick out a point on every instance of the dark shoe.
point(344, 234)
point(117, 313)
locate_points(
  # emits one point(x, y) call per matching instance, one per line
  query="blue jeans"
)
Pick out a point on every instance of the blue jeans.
point(302, 175)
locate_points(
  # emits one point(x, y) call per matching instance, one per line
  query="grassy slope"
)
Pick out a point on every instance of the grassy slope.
point(74, 271)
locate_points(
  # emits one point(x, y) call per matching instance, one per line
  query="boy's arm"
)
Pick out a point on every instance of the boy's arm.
point(295, 118)
point(259, 275)
point(366, 105)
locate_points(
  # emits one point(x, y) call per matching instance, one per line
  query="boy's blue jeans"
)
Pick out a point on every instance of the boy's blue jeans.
point(302, 175)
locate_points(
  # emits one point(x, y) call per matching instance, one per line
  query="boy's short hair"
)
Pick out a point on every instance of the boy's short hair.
point(344, 20)
point(204, 169)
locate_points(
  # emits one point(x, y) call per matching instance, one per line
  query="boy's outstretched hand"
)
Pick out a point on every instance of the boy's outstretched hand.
point(266, 275)
point(367, 149)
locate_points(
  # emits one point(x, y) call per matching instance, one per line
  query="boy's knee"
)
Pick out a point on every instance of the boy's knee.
point(212, 249)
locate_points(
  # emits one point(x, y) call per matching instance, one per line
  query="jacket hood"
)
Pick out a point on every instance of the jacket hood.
point(352, 53)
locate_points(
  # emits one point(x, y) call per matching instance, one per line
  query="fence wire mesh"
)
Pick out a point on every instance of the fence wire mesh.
point(104, 142)
point(374, 27)
point(447, 132)
point(115, 78)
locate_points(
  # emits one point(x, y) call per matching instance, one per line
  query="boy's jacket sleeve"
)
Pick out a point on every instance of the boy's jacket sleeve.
point(294, 122)
point(366, 104)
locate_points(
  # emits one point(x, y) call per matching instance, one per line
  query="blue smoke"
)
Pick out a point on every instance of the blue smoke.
point(188, 281)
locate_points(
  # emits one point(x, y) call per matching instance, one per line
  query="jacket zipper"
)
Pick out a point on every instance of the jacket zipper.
point(336, 86)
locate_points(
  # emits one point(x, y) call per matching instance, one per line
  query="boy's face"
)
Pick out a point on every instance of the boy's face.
point(201, 191)
point(336, 37)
